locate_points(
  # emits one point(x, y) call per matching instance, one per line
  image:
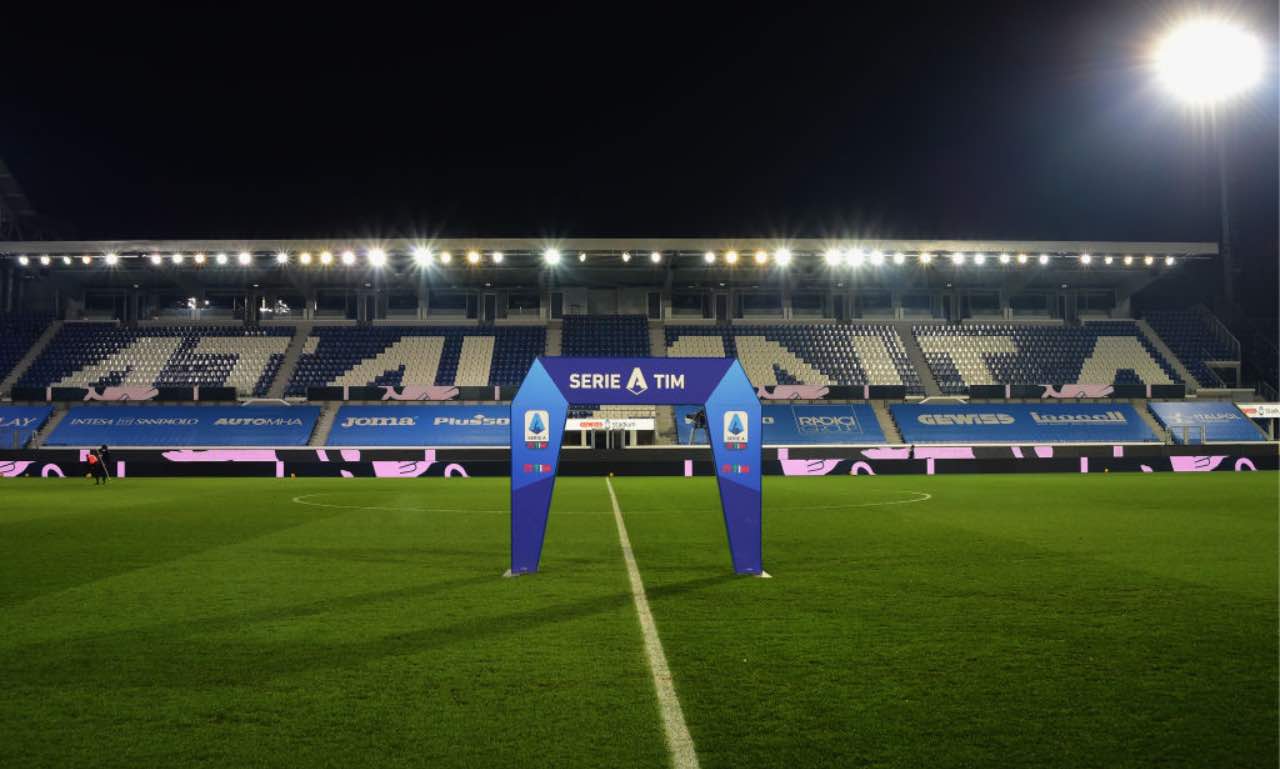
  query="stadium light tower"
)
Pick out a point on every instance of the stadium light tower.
point(1205, 63)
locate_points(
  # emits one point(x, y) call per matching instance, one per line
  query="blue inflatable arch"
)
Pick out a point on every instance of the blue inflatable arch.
point(541, 406)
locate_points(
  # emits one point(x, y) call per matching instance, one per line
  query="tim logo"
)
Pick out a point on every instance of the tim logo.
point(537, 429)
point(735, 430)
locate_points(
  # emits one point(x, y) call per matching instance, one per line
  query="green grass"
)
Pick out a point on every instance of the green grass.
point(1011, 621)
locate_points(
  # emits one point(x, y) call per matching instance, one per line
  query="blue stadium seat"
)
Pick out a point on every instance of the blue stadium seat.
point(105, 355)
point(18, 331)
point(402, 355)
point(1192, 341)
point(829, 353)
point(605, 336)
point(1036, 354)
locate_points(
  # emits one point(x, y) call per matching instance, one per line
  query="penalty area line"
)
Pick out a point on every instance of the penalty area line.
point(679, 741)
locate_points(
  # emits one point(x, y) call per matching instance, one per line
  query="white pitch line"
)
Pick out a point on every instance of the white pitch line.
point(679, 742)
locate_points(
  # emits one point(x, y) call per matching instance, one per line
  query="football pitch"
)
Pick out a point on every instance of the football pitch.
point(1010, 621)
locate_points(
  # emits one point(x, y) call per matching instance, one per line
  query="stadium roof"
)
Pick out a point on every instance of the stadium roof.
point(537, 246)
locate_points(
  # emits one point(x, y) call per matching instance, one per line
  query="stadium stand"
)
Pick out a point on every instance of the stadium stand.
point(185, 426)
point(1104, 352)
point(1221, 421)
point(604, 336)
point(1020, 423)
point(18, 331)
point(400, 355)
point(106, 355)
point(19, 423)
point(1192, 341)
point(841, 354)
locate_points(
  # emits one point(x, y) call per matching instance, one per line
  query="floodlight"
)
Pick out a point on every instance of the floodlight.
point(86, 260)
point(731, 257)
point(626, 256)
point(877, 257)
point(979, 259)
point(552, 256)
point(23, 260)
point(473, 257)
point(244, 258)
point(377, 257)
point(304, 257)
point(221, 259)
point(111, 258)
point(926, 258)
point(855, 257)
point(761, 256)
point(1086, 259)
point(1203, 61)
point(66, 260)
point(709, 257)
point(833, 257)
point(1108, 259)
point(1148, 260)
point(348, 258)
point(1168, 261)
point(655, 257)
point(155, 259)
point(326, 258)
point(446, 257)
point(1022, 258)
point(1004, 259)
point(957, 258)
point(497, 257)
point(1044, 259)
point(899, 258)
point(282, 257)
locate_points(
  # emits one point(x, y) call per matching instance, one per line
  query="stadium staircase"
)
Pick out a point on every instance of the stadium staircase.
point(60, 412)
point(657, 340)
point(25, 361)
point(665, 416)
point(916, 356)
point(324, 425)
point(1144, 411)
point(554, 337)
point(889, 427)
point(1172, 359)
point(291, 355)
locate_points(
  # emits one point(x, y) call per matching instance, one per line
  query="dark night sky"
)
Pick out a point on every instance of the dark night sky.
point(1015, 120)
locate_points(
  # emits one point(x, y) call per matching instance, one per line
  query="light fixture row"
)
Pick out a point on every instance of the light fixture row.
point(782, 257)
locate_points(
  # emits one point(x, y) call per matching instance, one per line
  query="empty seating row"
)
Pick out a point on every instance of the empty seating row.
point(418, 355)
point(1191, 339)
point(18, 331)
point(839, 354)
point(106, 355)
point(605, 336)
point(1106, 352)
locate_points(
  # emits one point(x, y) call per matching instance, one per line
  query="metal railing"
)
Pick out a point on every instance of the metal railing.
point(1220, 331)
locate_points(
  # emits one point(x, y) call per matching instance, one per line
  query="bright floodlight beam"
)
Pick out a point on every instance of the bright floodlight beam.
point(782, 257)
point(1205, 61)
point(377, 257)
point(243, 258)
point(551, 256)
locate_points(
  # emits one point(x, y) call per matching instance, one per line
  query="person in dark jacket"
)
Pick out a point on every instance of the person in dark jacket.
point(97, 468)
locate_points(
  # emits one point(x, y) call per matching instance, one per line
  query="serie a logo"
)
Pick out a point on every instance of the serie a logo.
point(537, 429)
point(735, 430)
